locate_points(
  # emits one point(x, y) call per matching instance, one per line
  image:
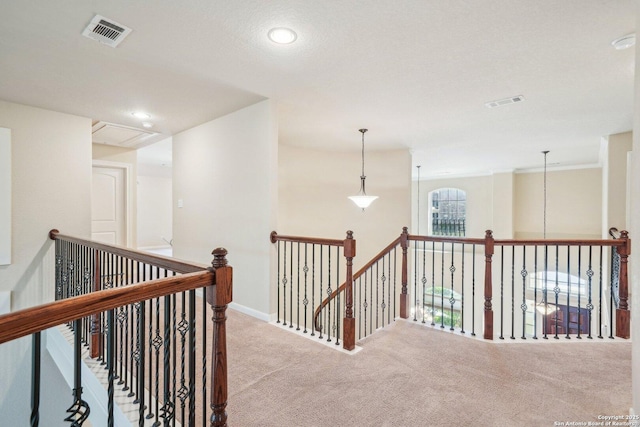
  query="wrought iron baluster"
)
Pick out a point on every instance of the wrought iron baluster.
point(473, 291)
point(442, 287)
point(305, 301)
point(415, 281)
point(204, 356)
point(79, 410)
point(524, 307)
point(320, 290)
point(579, 291)
point(167, 410)
point(278, 278)
point(313, 283)
point(336, 306)
point(110, 361)
point(568, 291)
point(36, 357)
point(424, 278)
point(183, 329)
point(378, 295)
point(501, 292)
point(298, 286)
point(395, 276)
point(284, 286)
point(556, 291)
point(151, 414)
point(291, 285)
point(452, 299)
point(590, 301)
point(157, 344)
point(365, 304)
point(192, 357)
point(600, 297)
point(535, 292)
point(141, 363)
point(433, 283)
point(359, 312)
point(513, 292)
point(462, 296)
point(611, 292)
point(329, 290)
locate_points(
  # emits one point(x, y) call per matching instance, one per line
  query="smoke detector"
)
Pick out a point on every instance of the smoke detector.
point(106, 31)
point(504, 101)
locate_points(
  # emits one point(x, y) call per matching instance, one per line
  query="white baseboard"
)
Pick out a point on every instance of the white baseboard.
point(251, 312)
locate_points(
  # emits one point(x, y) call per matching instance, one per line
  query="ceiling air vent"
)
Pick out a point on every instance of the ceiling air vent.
point(504, 101)
point(106, 31)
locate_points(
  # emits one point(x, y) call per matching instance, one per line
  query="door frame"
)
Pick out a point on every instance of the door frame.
point(128, 196)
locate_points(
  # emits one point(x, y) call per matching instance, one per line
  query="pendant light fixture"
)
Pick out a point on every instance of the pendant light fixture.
point(361, 199)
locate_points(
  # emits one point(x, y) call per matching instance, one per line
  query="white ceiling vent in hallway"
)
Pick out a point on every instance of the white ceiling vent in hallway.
point(504, 101)
point(106, 31)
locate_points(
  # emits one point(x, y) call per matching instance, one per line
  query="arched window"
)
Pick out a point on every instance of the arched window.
point(448, 212)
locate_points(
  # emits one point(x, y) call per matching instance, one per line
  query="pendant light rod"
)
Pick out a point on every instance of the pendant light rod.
point(362, 176)
point(544, 205)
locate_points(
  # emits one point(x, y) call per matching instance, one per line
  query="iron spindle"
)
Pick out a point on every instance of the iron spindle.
point(579, 290)
point(320, 290)
point(452, 300)
point(35, 377)
point(523, 273)
point(305, 301)
point(600, 297)
point(462, 296)
point(79, 410)
point(535, 292)
point(110, 361)
point(150, 415)
point(192, 357)
point(513, 289)
point(442, 287)
point(298, 292)
point(611, 291)
point(284, 286)
point(378, 296)
point(336, 305)
point(556, 291)
point(433, 283)
point(166, 412)
point(141, 363)
point(359, 313)
point(415, 280)
point(313, 282)
point(183, 328)
point(589, 299)
point(365, 304)
point(424, 278)
point(389, 290)
point(568, 291)
point(544, 291)
point(395, 268)
point(204, 355)
point(501, 292)
point(278, 278)
point(329, 294)
point(291, 285)
point(473, 291)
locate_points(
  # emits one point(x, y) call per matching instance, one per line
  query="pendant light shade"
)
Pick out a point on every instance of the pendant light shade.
point(361, 199)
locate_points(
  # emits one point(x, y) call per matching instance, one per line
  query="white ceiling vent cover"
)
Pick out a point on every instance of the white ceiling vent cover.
point(106, 31)
point(504, 101)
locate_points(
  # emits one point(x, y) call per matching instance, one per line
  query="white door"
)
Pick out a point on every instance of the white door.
point(108, 206)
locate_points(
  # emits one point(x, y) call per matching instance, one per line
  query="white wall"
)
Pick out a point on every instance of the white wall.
point(225, 173)
point(51, 188)
point(314, 186)
point(155, 203)
point(615, 149)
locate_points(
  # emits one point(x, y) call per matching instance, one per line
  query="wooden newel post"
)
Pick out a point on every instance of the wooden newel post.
point(488, 285)
point(219, 296)
point(404, 296)
point(623, 315)
point(349, 323)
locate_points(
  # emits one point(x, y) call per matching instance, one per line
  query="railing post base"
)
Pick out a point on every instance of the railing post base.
point(404, 306)
point(488, 325)
point(349, 340)
point(623, 320)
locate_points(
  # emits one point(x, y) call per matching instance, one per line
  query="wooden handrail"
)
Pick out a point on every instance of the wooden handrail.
point(167, 263)
point(275, 237)
point(558, 242)
point(445, 239)
point(356, 275)
point(31, 320)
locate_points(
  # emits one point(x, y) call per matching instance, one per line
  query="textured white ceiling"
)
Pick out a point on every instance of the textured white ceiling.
point(415, 72)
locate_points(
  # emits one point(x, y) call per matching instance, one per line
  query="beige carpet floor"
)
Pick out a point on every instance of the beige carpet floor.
point(411, 375)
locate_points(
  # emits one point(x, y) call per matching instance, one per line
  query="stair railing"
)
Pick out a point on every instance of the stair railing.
point(308, 270)
point(111, 297)
point(542, 287)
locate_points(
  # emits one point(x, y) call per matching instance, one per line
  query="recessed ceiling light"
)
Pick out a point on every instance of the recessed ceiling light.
point(140, 115)
point(624, 42)
point(282, 35)
point(147, 125)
